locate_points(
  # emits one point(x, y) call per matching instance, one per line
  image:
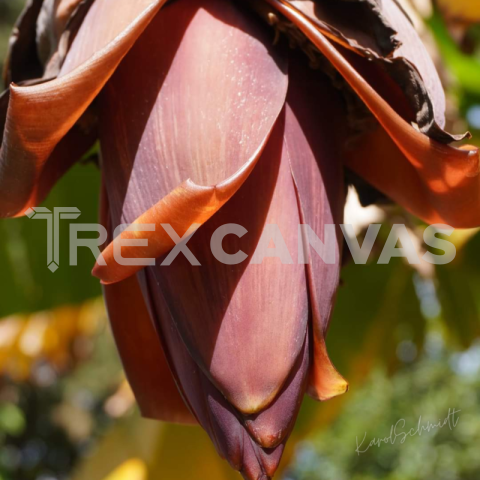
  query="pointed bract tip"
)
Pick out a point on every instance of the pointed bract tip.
point(333, 391)
point(97, 272)
point(262, 476)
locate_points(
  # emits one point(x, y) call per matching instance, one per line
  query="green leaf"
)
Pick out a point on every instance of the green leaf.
point(12, 420)
point(376, 309)
point(465, 68)
point(27, 285)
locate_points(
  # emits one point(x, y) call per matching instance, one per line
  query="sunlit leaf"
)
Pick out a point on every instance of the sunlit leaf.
point(47, 336)
point(465, 68)
point(133, 469)
point(461, 10)
point(169, 452)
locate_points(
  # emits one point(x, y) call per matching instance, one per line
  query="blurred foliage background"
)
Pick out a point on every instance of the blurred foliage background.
point(408, 341)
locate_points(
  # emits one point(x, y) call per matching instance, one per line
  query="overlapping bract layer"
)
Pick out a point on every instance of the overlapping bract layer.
point(433, 180)
point(203, 120)
point(220, 322)
point(40, 116)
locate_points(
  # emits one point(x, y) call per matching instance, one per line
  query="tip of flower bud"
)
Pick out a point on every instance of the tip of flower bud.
point(262, 476)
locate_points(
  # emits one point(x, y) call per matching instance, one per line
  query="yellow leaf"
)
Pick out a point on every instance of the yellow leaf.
point(169, 452)
point(461, 237)
point(186, 453)
point(133, 469)
point(46, 336)
point(466, 10)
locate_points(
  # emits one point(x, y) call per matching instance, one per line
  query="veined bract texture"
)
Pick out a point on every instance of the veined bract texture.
point(215, 112)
